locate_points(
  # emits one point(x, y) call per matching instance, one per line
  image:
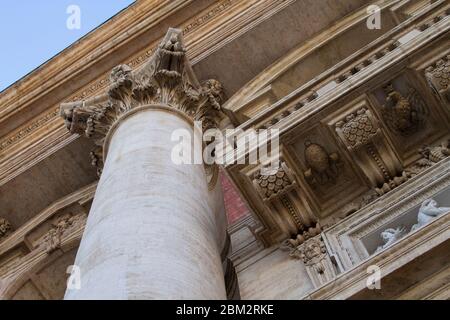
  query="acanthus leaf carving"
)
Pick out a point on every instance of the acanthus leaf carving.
point(314, 255)
point(167, 78)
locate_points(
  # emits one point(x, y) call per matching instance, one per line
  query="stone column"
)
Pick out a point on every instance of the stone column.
point(156, 229)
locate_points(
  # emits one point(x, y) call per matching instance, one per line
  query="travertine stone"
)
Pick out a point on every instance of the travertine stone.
point(155, 231)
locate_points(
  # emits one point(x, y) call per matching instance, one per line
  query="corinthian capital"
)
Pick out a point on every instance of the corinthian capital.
point(166, 78)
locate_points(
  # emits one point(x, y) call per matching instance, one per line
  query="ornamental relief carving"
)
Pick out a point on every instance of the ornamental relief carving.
point(61, 226)
point(360, 132)
point(315, 257)
point(5, 228)
point(327, 177)
point(271, 186)
point(166, 78)
point(431, 155)
point(282, 197)
point(323, 167)
point(438, 76)
point(403, 115)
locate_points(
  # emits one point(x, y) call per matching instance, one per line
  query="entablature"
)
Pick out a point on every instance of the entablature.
point(347, 144)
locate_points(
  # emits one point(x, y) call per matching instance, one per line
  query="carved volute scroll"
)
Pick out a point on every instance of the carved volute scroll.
point(167, 78)
point(438, 76)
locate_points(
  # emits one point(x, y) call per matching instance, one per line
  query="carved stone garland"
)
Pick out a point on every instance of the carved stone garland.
point(167, 79)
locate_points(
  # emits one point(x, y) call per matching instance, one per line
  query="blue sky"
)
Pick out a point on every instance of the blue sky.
point(33, 31)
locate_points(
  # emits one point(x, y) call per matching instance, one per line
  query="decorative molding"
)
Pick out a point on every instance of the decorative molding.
point(345, 238)
point(55, 230)
point(138, 60)
point(61, 226)
point(281, 196)
point(275, 185)
point(378, 57)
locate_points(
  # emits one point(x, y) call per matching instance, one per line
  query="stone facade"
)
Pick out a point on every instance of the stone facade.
point(364, 130)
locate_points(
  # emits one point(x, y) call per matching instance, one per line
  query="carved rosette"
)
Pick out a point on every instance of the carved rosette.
point(438, 76)
point(316, 259)
point(5, 228)
point(167, 78)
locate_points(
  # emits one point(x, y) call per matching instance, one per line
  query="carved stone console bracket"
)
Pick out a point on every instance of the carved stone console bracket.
point(438, 76)
point(316, 259)
point(361, 134)
point(166, 79)
point(281, 194)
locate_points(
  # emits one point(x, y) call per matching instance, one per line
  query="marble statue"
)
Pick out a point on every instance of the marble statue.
point(428, 211)
point(390, 236)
